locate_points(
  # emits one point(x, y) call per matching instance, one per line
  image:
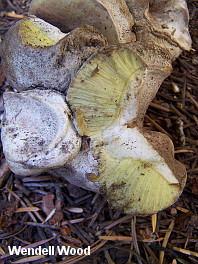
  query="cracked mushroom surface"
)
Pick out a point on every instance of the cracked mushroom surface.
point(37, 54)
point(163, 23)
point(112, 18)
point(37, 132)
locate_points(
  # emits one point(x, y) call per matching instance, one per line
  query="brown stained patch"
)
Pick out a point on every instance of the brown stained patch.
point(41, 142)
point(132, 123)
point(147, 165)
point(92, 177)
point(95, 71)
point(11, 130)
point(116, 186)
point(64, 148)
point(85, 143)
point(114, 198)
point(82, 126)
point(78, 41)
point(164, 146)
point(62, 50)
point(14, 136)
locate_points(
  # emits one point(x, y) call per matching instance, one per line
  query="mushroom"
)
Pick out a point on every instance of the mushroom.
point(37, 54)
point(37, 132)
point(117, 82)
point(108, 90)
point(109, 97)
point(112, 18)
point(163, 23)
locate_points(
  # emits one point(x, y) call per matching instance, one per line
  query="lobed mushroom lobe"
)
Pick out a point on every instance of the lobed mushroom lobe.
point(37, 132)
point(37, 54)
point(109, 97)
point(112, 18)
point(163, 23)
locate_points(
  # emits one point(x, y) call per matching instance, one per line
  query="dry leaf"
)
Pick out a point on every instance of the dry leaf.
point(48, 203)
point(48, 207)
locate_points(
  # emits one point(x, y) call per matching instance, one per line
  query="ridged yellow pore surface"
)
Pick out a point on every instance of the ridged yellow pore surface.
point(135, 186)
point(33, 35)
point(98, 91)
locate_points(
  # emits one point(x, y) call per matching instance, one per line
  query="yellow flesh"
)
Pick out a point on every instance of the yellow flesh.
point(135, 186)
point(33, 35)
point(98, 91)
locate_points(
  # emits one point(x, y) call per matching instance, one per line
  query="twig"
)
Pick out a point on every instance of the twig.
point(43, 225)
point(157, 126)
point(43, 184)
point(22, 203)
point(117, 238)
point(14, 15)
point(127, 217)
point(102, 204)
point(192, 99)
point(36, 213)
point(154, 222)
point(185, 251)
point(166, 238)
point(178, 113)
point(16, 8)
point(8, 235)
point(135, 243)
point(159, 107)
point(43, 237)
point(108, 257)
point(151, 252)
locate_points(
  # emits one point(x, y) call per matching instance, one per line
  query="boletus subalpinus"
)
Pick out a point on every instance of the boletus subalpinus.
point(110, 65)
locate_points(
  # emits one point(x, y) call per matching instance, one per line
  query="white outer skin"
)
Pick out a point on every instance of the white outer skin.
point(77, 170)
point(37, 133)
point(123, 142)
point(112, 18)
point(27, 64)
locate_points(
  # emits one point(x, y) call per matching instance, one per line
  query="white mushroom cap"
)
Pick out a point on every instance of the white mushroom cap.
point(37, 133)
point(112, 18)
point(36, 54)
